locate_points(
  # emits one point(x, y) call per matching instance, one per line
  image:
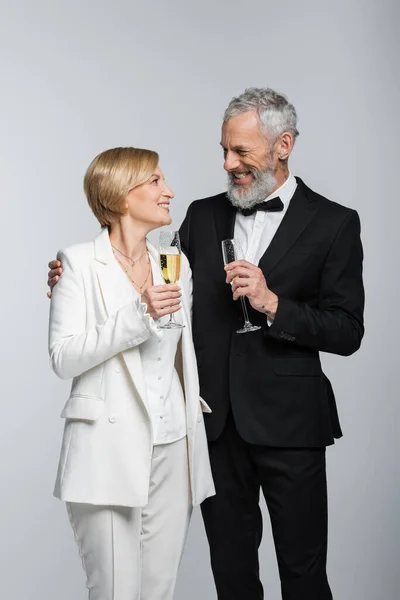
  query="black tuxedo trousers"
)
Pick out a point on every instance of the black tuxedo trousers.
point(274, 410)
point(294, 486)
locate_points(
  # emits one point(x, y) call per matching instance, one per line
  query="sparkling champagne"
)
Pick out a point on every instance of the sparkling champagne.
point(170, 267)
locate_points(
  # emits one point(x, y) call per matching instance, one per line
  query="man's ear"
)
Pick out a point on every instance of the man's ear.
point(284, 145)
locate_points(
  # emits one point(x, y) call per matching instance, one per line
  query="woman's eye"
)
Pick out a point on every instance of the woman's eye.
point(155, 181)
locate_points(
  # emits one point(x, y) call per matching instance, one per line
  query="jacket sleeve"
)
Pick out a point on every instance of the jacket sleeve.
point(184, 236)
point(336, 325)
point(184, 233)
point(187, 283)
point(75, 348)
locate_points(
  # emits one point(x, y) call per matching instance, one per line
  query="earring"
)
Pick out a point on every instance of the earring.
point(282, 156)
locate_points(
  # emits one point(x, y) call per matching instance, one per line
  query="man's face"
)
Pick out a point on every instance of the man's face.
point(248, 160)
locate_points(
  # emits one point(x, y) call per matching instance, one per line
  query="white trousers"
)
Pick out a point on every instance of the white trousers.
point(134, 553)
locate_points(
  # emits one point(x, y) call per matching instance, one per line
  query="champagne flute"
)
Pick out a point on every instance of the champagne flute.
point(169, 247)
point(232, 251)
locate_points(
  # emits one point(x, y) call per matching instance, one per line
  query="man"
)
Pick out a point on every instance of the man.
point(273, 408)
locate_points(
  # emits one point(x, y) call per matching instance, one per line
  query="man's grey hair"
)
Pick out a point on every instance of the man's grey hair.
point(275, 113)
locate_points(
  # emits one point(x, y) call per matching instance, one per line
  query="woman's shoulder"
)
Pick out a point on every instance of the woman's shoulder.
point(81, 253)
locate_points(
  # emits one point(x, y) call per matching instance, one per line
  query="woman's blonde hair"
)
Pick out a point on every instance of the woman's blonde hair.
point(110, 177)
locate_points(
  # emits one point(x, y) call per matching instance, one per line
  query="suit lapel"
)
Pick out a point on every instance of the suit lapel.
point(301, 210)
point(116, 291)
point(225, 215)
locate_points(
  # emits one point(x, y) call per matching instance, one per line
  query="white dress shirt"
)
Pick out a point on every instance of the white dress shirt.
point(255, 232)
point(164, 391)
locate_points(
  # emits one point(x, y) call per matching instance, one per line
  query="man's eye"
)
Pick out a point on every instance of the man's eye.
point(242, 152)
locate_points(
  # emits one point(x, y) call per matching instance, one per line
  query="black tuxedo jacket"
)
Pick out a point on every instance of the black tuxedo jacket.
point(272, 378)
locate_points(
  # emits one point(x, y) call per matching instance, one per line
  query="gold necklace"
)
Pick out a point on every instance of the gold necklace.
point(136, 285)
point(128, 257)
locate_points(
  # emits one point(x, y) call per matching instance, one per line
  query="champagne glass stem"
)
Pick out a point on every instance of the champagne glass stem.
point(232, 251)
point(244, 307)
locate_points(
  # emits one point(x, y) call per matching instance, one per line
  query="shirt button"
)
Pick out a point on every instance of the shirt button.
point(158, 358)
point(161, 397)
point(112, 419)
point(161, 417)
point(159, 377)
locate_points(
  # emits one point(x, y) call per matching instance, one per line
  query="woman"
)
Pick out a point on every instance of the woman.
point(134, 455)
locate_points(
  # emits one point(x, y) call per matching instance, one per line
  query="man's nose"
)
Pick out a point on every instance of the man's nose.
point(231, 161)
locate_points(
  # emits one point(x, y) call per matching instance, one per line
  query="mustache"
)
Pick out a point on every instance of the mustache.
point(262, 185)
point(255, 172)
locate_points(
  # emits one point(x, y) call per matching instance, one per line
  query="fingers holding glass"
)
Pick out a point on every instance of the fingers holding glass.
point(169, 247)
point(232, 253)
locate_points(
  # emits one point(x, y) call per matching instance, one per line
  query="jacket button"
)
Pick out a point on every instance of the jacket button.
point(117, 370)
point(199, 420)
point(112, 419)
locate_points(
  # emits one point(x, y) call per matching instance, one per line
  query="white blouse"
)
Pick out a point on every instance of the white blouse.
point(164, 390)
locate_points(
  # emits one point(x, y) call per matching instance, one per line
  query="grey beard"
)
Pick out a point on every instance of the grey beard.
point(262, 186)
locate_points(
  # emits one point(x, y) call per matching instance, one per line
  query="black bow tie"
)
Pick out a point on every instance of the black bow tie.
point(273, 205)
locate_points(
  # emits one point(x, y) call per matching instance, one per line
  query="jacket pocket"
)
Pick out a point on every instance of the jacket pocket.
point(86, 408)
point(89, 384)
point(297, 366)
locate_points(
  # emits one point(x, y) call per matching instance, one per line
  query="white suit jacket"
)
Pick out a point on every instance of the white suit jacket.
point(94, 336)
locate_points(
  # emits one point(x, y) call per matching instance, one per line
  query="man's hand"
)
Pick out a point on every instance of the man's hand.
point(162, 300)
point(53, 275)
point(248, 280)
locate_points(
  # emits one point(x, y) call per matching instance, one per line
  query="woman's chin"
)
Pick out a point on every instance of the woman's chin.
point(166, 221)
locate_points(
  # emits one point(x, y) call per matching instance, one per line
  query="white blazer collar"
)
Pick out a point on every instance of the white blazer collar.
point(103, 252)
point(102, 247)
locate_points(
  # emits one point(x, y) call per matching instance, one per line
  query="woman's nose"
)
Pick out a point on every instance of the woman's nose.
point(168, 192)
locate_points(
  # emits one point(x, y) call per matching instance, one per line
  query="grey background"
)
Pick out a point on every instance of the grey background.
point(80, 77)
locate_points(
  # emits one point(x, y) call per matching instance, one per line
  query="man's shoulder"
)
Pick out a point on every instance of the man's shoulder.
point(329, 207)
point(210, 202)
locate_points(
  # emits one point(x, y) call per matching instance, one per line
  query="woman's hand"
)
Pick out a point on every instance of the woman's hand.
point(162, 300)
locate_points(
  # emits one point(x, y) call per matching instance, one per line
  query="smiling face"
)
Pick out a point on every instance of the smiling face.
point(149, 203)
point(248, 159)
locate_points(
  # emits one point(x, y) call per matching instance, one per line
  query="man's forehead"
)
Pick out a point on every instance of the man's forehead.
point(239, 132)
point(247, 121)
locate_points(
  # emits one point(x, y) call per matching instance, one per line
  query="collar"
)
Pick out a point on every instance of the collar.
point(103, 250)
point(285, 191)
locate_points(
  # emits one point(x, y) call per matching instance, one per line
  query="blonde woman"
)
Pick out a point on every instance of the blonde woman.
point(134, 457)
